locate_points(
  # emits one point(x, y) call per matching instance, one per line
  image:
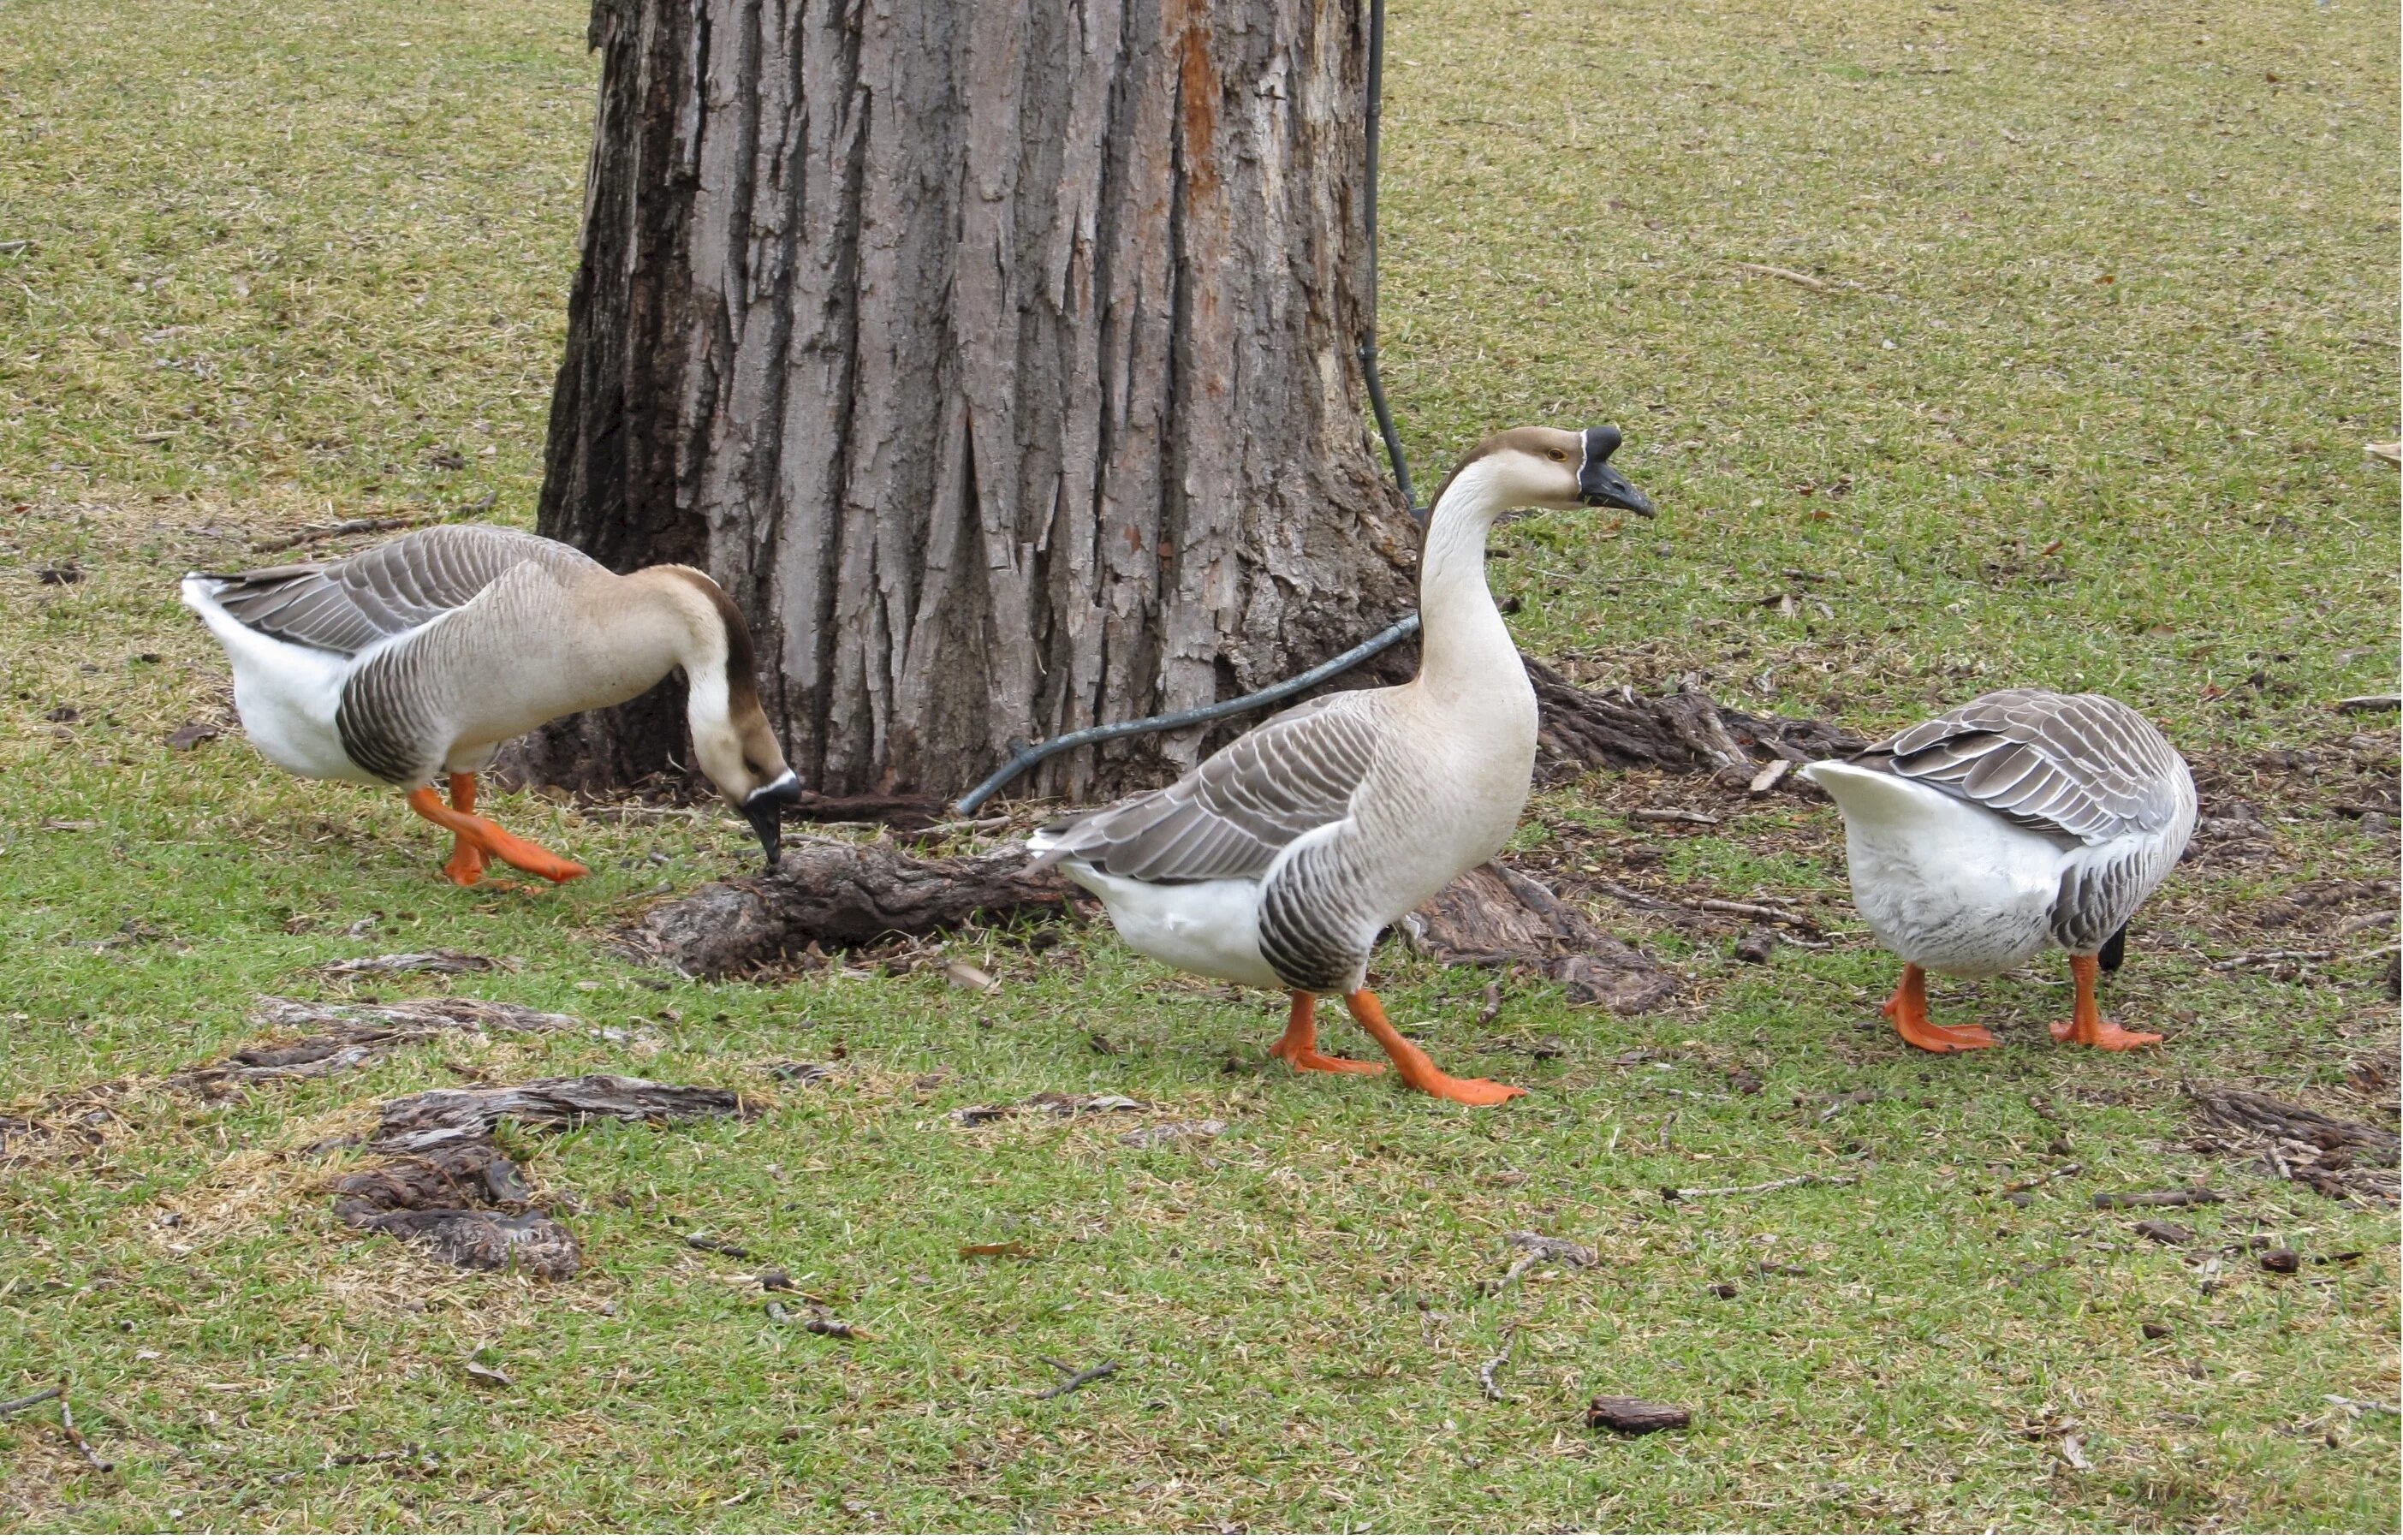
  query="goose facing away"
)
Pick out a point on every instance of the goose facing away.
point(2021, 820)
point(1277, 861)
point(422, 657)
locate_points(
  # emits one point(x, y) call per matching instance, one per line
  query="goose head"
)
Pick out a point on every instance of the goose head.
point(1555, 468)
point(732, 737)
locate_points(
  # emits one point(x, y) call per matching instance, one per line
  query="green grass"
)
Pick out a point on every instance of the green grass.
point(287, 262)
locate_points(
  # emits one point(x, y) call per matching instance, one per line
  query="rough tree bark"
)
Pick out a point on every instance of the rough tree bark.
point(998, 358)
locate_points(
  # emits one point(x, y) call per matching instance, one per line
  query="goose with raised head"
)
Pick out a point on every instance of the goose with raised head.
point(1279, 859)
point(420, 658)
point(2020, 821)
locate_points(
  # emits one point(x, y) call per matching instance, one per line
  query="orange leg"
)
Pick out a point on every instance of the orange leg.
point(1417, 1070)
point(2086, 1026)
point(493, 839)
point(1299, 1046)
point(467, 864)
point(1908, 1012)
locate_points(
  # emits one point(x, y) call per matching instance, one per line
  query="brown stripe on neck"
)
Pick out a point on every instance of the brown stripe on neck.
point(742, 660)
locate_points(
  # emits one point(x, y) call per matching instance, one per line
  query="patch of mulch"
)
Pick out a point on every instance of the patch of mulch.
point(2334, 1156)
point(446, 1186)
point(73, 1122)
point(351, 1036)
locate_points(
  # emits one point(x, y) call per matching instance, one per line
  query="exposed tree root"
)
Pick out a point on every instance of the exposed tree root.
point(1615, 729)
point(829, 894)
point(1497, 918)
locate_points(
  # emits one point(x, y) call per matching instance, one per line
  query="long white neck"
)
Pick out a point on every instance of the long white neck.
point(1464, 648)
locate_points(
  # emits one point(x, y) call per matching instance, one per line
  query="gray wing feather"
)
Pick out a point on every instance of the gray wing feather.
point(2085, 766)
point(1239, 808)
point(349, 606)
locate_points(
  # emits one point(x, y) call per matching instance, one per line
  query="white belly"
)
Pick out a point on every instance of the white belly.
point(1210, 928)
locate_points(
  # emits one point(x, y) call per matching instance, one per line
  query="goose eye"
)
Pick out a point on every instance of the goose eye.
point(1558, 454)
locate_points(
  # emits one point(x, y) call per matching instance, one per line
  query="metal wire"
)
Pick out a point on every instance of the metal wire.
point(1026, 756)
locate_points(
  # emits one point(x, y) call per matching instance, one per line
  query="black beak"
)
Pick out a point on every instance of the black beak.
point(765, 809)
point(1602, 487)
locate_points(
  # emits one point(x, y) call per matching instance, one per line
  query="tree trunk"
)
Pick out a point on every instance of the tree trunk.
point(998, 358)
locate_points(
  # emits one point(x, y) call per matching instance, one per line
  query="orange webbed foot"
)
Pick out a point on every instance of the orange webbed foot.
point(465, 865)
point(1418, 1070)
point(1299, 1046)
point(2086, 1027)
point(1468, 1093)
point(2109, 1036)
point(1908, 1012)
point(489, 840)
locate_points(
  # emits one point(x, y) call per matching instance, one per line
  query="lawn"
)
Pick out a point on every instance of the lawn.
point(2081, 313)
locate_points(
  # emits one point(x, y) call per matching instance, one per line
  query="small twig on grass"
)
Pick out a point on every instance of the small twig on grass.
point(66, 1420)
point(1492, 1005)
point(1492, 1367)
point(1078, 1378)
point(35, 1399)
point(1631, 897)
point(1765, 270)
point(1673, 815)
point(2176, 1198)
point(2025, 1184)
point(2358, 1407)
point(1541, 1248)
point(2255, 959)
point(348, 526)
point(702, 1242)
point(1675, 1194)
point(1754, 911)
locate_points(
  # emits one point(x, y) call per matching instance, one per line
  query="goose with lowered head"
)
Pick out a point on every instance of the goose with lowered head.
point(2020, 821)
point(1279, 859)
point(421, 657)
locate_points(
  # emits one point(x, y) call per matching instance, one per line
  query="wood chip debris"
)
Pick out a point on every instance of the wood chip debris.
point(1486, 1371)
point(440, 960)
point(2164, 1232)
point(1541, 1248)
point(349, 526)
point(819, 1324)
point(1629, 1415)
point(1676, 1194)
point(191, 735)
point(1675, 815)
point(485, 1374)
point(995, 1248)
point(967, 976)
point(1058, 1103)
point(2169, 1198)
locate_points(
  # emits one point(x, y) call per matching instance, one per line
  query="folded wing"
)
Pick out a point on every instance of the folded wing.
point(2084, 766)
point(1239, 808)
point(349, 606)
